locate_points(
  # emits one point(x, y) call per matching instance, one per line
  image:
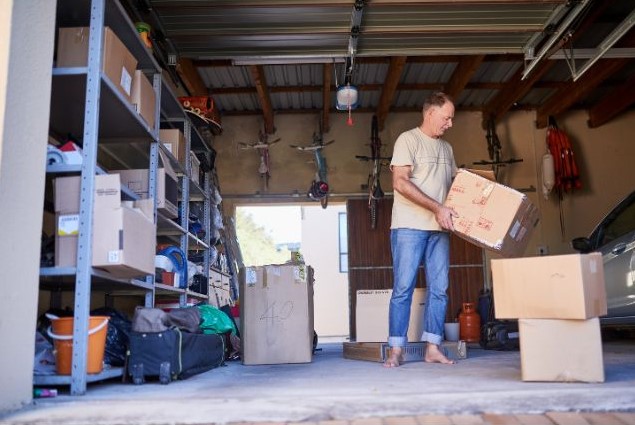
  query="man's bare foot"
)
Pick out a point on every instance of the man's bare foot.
point(394, 357)
point(435, 355)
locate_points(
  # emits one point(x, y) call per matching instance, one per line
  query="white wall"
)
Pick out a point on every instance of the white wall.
point(26, 57)
point(319, 246)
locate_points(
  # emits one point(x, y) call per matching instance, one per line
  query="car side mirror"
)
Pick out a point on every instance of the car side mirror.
point(582, 245)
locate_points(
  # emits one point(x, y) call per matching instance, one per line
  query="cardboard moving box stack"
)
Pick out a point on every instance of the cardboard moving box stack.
point(124, 234)
point(276, 314)
point(557, 300)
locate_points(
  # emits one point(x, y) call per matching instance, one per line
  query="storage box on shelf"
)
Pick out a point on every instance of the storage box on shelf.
point(143, 97)
point(167, 187)
point(174, 140)
point(123, 236)
point(119, 64)
point(196, 168)
point(220, 294)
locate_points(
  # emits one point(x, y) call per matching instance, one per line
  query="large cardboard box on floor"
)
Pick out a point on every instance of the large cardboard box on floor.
point(119, 64)
point(550, 287)
point(561, 350)
point(371, 315)
point(491, 215)
point(124, 234)
point(167, 194)
point(276, 314)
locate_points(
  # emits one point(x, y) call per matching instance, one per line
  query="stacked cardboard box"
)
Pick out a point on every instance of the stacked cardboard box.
point(276, 309)
point(124, 234)
point(557, 300)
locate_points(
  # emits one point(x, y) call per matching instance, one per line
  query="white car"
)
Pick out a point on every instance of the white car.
point(614, 237)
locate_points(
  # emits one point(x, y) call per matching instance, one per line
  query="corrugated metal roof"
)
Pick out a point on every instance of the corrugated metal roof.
point(292, 40)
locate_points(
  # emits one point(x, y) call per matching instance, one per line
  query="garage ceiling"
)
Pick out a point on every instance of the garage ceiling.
point(286, 56)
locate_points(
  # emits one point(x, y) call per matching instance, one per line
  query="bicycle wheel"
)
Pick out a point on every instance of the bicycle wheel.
point(324, 201)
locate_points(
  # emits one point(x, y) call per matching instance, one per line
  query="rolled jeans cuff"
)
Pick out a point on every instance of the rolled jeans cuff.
point(396, 341)
point(432, 338)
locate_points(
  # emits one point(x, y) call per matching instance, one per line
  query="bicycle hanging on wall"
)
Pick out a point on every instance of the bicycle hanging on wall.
point(319, 189)
point(262, 146)
point(375, 192)
point(494, 150)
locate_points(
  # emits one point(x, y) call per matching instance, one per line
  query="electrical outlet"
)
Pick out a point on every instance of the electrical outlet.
point(542, 250)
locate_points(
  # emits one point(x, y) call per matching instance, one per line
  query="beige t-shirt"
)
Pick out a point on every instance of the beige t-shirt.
point(432, 169)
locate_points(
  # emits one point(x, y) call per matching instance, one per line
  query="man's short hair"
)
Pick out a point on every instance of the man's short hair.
point(436, 99)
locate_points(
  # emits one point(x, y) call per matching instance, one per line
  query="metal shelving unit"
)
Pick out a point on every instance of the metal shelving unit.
point(84, 101)
point(173, 116)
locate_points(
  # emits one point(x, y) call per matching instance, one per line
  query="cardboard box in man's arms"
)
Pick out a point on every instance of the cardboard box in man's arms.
point(491, 215)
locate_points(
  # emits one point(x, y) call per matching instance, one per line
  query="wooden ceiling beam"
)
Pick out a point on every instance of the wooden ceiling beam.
point(260, 81)
point(613, 104)
point(516, 88)
point(191, 78)
point(562, 99)
point(327, 75)
point(395, 69)
point(513, 91)
point(462, 74)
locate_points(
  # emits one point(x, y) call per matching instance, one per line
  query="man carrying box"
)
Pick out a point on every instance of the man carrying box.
point(422, 168)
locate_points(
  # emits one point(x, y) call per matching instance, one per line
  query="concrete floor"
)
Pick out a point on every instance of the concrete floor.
point(334, 388)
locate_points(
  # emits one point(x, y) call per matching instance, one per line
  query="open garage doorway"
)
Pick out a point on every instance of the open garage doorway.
point(267, 234)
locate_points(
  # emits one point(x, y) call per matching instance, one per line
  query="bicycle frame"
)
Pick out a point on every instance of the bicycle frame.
point(494, 151)
point(262, 147)
point(375, 192)
point(319, 186)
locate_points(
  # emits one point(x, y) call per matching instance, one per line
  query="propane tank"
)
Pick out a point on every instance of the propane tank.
point(469, 323)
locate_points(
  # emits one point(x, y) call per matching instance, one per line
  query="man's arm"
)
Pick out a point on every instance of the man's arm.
point(402, 184)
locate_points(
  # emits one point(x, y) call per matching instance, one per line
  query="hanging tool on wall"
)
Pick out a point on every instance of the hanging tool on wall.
point(494, 149)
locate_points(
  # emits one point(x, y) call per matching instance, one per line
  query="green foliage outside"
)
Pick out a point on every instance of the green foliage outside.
point(256, 245)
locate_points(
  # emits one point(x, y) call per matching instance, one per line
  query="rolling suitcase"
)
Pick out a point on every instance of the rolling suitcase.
point(172, 354)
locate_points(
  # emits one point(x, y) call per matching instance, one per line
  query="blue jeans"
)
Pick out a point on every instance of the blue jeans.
point(409, 248)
